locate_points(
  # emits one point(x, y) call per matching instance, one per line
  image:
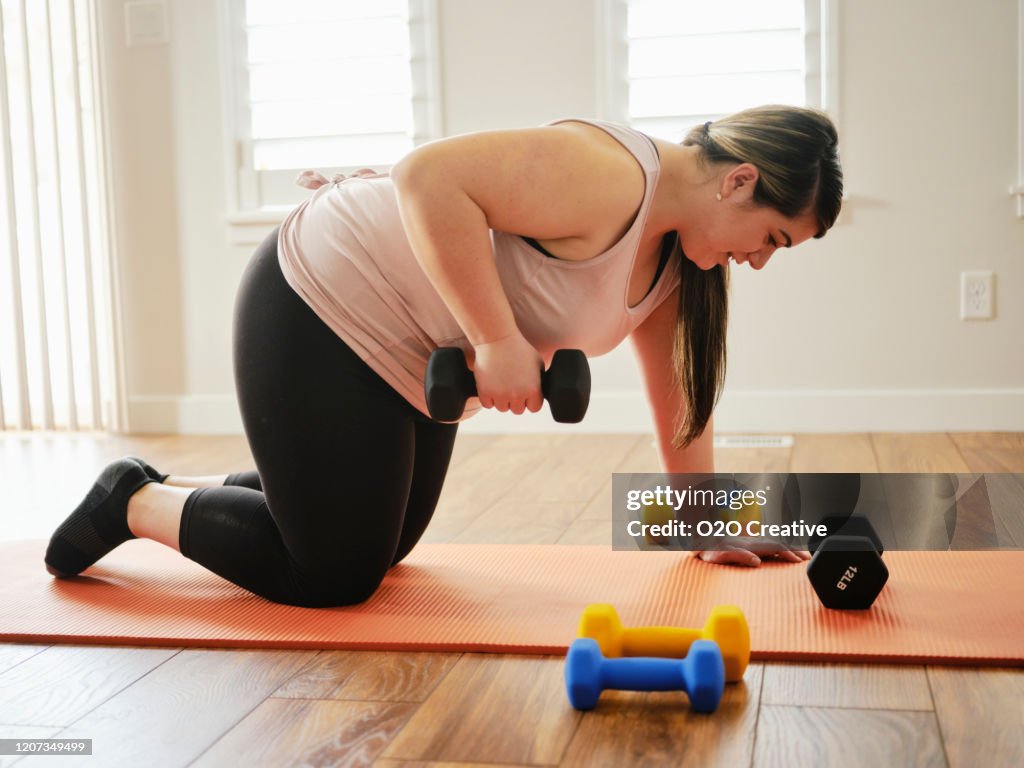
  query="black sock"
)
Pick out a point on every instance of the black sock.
point(153, 474)
point(99, 523)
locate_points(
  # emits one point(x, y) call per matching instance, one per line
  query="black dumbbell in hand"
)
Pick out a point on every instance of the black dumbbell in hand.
point(847, 571)
point(450, 383)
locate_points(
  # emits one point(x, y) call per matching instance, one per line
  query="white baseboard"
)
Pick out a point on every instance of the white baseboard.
point(901, 410)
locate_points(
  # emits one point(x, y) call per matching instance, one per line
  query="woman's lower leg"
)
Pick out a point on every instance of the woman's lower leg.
point(154, 512)
point(203, 481)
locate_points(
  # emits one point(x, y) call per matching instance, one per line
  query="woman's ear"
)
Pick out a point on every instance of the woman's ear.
point(740, 181)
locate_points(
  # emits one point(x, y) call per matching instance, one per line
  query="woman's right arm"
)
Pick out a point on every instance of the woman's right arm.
point(547, 183)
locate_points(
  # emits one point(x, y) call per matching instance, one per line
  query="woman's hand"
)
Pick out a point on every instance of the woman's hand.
point(507, 373)
point(750, 551)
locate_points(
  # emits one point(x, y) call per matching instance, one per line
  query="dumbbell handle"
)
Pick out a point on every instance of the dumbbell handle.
point(658, 641)
point(449, 383)
point(643, 674)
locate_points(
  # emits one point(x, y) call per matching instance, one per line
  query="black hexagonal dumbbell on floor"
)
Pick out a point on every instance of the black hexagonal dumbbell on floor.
point(847, 571)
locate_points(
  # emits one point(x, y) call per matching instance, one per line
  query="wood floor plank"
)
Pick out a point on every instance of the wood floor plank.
point(931, 452)
point(600, 505)
point(392, 763)
point(752, 459)
point(554, 482)
point(175, 713)
point(308, 732)
point(860, 686)
point(833, 453)
point(467, 446)
point(588, 532)
point(369, 676)
point(190, 454)
point(551, 485)
point(1004, 494)
point(812, 736)
point(504, 709)
point(514, 521)
point(991, 451)
point(482, 478)
point(640, 456)
point(658, 729)
point(567, 473)
point(64, 682)
point(12, 654)
point(981, 715)
point(444, 529)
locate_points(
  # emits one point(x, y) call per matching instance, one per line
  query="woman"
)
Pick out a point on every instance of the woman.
point(509, 244)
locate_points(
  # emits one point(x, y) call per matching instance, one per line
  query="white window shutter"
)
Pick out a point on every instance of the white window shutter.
point(691, 60)
point(333, 85)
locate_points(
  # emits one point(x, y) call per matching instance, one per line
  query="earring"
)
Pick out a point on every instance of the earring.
point(718, 196)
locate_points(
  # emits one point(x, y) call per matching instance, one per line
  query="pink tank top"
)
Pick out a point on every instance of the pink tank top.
point(345, 252)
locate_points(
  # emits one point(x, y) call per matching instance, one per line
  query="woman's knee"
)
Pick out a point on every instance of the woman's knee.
point(335, 588)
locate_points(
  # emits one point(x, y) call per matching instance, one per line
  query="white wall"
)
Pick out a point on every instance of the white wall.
point(859, 331)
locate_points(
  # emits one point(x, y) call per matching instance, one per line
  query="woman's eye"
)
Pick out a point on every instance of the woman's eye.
point(771, 241)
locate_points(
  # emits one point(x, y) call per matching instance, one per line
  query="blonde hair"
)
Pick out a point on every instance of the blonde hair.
point(796, 152)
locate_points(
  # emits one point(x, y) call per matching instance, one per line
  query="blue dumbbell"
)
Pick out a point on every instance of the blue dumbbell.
point(701, 674)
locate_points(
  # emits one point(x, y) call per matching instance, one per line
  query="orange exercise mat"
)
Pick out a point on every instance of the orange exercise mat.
point(938, 607)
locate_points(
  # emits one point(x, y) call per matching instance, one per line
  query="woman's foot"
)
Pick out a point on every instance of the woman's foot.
point(150, 471)
point(99, 523)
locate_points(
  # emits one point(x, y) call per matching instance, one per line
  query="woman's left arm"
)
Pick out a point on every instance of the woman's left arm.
point(653, 343)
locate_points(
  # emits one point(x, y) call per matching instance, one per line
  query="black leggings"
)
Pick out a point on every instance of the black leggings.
point(350, 471)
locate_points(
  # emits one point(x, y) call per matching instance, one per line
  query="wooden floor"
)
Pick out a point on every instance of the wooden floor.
point(178, 707)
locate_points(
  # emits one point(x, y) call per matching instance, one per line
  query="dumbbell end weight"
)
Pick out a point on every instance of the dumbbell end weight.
point(847, 573)
point(448, 384)
point(583, 673)
point(705, 676)
point(849, 525)
point(728, 627)
point(566, 386)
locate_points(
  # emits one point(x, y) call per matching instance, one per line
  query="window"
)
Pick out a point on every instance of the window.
point(675, 63)
point(334, 85)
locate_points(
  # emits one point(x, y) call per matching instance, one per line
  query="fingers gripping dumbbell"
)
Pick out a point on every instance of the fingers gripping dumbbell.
point(565, 384)
point(726, 626)
point(701, 674)
point(846, 570)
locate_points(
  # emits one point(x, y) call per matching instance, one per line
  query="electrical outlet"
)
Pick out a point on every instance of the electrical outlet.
point(977, 295)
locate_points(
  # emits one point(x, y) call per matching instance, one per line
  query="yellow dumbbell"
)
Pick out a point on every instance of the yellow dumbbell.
point(726, 626)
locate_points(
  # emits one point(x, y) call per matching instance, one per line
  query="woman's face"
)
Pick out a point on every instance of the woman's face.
point(734, 229)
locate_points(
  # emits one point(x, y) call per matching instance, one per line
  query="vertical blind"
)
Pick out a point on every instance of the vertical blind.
point(693, 60)
point(54, 306)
